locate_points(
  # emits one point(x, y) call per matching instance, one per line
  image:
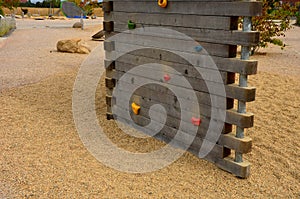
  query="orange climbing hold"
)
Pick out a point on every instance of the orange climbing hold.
point(163, 3)
point(135, 108)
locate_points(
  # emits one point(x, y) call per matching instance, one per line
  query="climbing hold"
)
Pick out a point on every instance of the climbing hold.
point(135, 108)
point(131, 25)
point(167, 77)
point(162, 3)
point(198, 48)
point(196, 121)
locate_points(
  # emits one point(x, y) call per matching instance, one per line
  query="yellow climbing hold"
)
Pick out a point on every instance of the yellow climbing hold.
point(135, 108)
point(162, 3)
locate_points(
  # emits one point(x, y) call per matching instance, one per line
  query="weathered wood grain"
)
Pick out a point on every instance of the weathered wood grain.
point(211, 25)
point(175, 20)
point(241, 145)
point(231, 37)
point(107, 6)
point(240, 8)
point(168, 133)
point(234, 65)
point(130, 41)
point(233, 91)
point(241, 170)
point(108, 26)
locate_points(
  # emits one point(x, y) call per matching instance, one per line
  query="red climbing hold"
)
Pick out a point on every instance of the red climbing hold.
point(196, 121)
point(167, 78)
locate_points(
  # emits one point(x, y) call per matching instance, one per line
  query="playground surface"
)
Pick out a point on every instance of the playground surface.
point(43, 157)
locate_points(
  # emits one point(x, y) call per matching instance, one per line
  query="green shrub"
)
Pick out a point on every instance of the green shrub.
point(298, 13)
point(6, 25)
point(273, 23)
point(1, 11)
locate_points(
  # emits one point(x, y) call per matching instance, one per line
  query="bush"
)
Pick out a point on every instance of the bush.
point(298, 18)
point(1, 11)
point(273, 23)
point(6, 25)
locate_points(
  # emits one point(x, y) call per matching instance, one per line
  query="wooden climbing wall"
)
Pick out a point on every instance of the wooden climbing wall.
point(214, 24)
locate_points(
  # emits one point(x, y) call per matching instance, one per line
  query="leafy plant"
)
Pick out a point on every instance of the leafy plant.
point(10, 3)
point(87, 5)
point(298, 14)
point(1, 11)
point(273, 23)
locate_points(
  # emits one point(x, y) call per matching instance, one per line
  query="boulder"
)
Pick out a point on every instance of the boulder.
point(72, 46)
point(77, 25)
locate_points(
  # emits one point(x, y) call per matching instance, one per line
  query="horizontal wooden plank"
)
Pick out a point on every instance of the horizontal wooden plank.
point(176, 20)
point(175, 111)
point(231, 37)
point(170, 121)
point(243, 120)
point(108, 26)
point(241, 170)
point(109, 82)
point(161, 40)
point(245, 94)
point(109, 116)
point(161, 94)
point(157, 76)
point(147, 94)
point(176, 0)
point(168, 133)
point(107, 6)
point(233, 91)
point(109, 65)
point(240, 8)
point(109, 73)
point(241, 145)
point(234, 65)
point(172, 109)
point(185, 71)
point(108, 46)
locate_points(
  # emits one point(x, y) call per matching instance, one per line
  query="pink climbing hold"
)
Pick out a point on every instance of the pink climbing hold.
point(167, 78)
point(196, 121)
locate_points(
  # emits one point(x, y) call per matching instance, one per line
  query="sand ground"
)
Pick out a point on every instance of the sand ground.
point(43, 157)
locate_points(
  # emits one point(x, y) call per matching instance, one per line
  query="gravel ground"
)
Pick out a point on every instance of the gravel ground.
point(43, 157)
point(29, 53)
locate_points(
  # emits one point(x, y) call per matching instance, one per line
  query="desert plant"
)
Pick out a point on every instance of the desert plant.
point(273, 23)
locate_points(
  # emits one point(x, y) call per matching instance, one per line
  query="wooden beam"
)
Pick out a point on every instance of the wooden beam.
point(235, 8)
